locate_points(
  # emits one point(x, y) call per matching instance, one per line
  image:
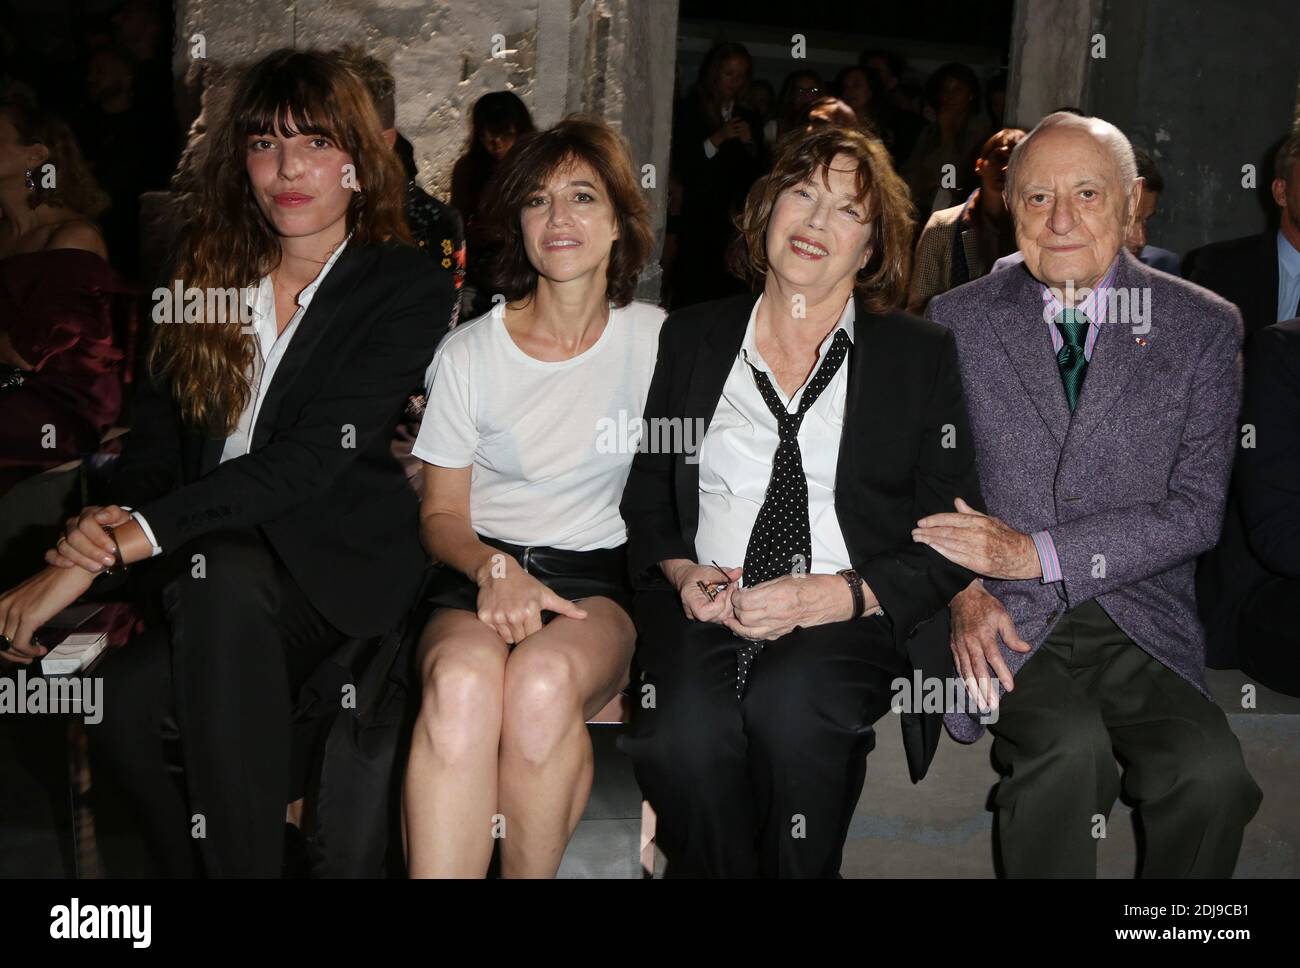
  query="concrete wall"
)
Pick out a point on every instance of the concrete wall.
point(612, 58)
point(1207, 86)
point(1049, 57)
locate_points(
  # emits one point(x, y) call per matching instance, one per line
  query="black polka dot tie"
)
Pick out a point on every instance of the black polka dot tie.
point(781, 540)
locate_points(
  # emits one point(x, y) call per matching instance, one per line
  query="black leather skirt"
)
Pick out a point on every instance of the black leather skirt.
point(570, 574)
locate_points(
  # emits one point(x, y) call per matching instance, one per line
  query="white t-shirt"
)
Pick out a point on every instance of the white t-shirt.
point(551, 444)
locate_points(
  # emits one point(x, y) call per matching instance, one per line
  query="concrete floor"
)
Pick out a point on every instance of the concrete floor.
point(940, 828)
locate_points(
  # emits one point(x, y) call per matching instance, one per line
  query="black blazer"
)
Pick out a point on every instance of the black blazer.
point(904, 389)
point(1261, 531)
point(320, 480)
point(721, 181)
point(1242, 271)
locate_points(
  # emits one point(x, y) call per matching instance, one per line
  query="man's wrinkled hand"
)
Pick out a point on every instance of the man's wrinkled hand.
point(981, 543)
point(978, 621)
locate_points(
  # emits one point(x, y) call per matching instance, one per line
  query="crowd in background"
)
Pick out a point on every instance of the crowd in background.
point(110, 125)
point(729, 123)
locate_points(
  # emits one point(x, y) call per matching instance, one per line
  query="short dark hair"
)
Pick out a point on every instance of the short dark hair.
point(831, 110)
point(526, 169)
point(995, 140)
point(897, 66)
point(1288, 156)
point(877, 106)
point(718, 55)
point(1152, 180)
point(498, 111)
point(963, 73)
point(791, 80)
point(379, 81)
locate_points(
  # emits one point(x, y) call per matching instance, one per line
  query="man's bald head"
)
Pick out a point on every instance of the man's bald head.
point(1072, 187)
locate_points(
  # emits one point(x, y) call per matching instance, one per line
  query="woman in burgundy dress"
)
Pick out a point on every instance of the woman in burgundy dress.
point(62, 306)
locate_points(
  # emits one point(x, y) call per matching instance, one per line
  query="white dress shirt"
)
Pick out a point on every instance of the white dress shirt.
point(740, 444)
point(271, 347)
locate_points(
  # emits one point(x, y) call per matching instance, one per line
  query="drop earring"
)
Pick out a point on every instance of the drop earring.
point(31, 181)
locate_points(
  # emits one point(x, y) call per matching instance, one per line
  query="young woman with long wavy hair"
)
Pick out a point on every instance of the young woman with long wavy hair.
point(257, 472)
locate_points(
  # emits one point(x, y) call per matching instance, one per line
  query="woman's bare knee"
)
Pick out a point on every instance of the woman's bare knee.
point(463, 671)
point(541, 703)
point(560, 671)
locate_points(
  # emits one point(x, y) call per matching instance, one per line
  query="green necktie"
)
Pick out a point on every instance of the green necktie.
point(1074, 330)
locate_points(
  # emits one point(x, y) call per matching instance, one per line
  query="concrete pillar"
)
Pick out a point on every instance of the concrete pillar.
point(1050, 42)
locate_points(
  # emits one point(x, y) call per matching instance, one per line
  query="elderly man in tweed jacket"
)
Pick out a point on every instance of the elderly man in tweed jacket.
point(1102, 397)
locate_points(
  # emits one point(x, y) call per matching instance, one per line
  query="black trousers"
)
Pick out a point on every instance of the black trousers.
point(1088, 696)
point(767, 786)
point(213, 690)
point(1268, 641)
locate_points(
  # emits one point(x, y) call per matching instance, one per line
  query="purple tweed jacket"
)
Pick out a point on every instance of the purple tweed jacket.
point(1132, 486)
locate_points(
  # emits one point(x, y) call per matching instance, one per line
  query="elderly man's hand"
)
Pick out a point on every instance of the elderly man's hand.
point(978, 619)
point(983, 544)
point(774, 608)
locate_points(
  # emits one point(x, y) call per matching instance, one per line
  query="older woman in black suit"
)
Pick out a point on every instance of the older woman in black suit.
point(779, 592)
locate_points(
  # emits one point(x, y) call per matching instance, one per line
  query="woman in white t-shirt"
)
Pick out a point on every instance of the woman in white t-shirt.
point(533, 418)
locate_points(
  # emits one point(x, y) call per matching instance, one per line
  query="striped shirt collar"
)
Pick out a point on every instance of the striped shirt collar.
point(1093, 307)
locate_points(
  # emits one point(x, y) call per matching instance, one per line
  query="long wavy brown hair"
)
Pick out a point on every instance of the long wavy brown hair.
point(75, 186)
point(803, 155)
point(228, 242)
